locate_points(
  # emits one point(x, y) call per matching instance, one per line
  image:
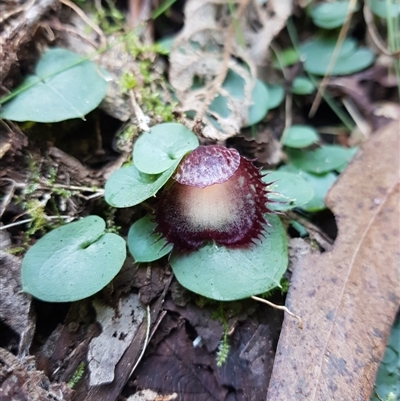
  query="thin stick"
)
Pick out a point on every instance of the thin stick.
point(88, 21)
point(17, 223)
point(146, 341)
point(141, 118)
point(219, 79)
point(280, 307)
point(378, 41)
point(332, 61)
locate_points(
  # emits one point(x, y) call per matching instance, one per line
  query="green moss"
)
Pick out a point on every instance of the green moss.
point(36, 211)
point(77, 375)
point(223, 348)
point(127, 82)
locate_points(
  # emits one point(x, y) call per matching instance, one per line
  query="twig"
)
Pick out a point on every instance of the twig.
point(141, 118)
point(88, 21)
point(332, 61)
point(378, 41)
point(17, 223)
point(16, 10)
point(315, 233)
point(146, 341)
point(280, 307)
point(7, 198)
point(219, 79)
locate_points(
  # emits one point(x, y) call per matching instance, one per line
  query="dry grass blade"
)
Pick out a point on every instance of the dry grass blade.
point(347, 297)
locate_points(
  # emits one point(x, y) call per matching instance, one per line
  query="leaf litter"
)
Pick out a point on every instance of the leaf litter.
point(226, 40)
point(212, 42)
point(352, 299)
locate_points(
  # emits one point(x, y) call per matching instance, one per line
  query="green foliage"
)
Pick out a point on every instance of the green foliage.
point(321, 160)
point(162, 147)
point(161, 150)
point(145, 245)
point(234, 84)
point(385, 9)
point(288, 190)
point(286, 58)
point(317, 53)
point(320, 184)
point(223, 348)
point(128, 186)
point(387, 385)
point(156, 155)
point(276, 95)
point(227, 274)
point(330, 15)
point(127, 82)
point(36, 211)
point(302, 86)
point(73, 261)
point(77, 375)
point(162, 8)
point(259, 108)
point(299, 136)
point(109, 18)
point(154, 105)
point(64, 86)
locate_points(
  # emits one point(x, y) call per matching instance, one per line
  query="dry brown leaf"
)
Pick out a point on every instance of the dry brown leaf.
point(119, 328)
point(210, 44)
point(348, 297)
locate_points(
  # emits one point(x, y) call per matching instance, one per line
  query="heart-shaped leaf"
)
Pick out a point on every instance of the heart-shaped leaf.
point(321, 160)
point(226, 274)
point(299, 136)
point(145, 245)
point(73, 261)
point(128, 186)
point(64, 86)
point(318, 53)
point(162, 147)
point(288, 190)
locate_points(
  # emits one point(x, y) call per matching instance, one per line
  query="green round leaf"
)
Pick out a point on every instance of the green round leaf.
point(276, 94)
point(299, 136)
point(286, 58)
point(321, 160)
point(384, 9)
point(290, 190)
point(235, 84)
point(260, 102)
point(145, 245)
point(321, 184)
point(162, 147)
point(317, 54)
point(73, 261)
point(64, 86)
point(302, 86)
point(165, 43)
point(128, 186)
point(330, 15)
point(227, 274)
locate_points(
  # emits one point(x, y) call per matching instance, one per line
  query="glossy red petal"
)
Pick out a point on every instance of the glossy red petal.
point(230, 213)
point(207, 165)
